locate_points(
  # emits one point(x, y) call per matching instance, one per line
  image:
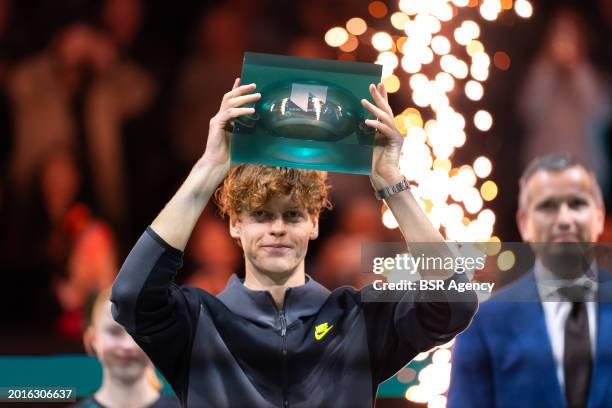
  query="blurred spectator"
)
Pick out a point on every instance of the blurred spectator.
point(41, 89)
point(79, 247)
point(128, 376)
point(213, 254)
point(565, 101)
point(220, 41)
point(59, 244)
point(120, 90)
point(122, 19)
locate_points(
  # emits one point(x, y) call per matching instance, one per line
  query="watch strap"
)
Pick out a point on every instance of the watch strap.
point(387, 192)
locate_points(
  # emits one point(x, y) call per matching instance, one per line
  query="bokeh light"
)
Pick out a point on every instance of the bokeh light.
point(411, 65)
point(487, 216)
point(399, 20)
point(392, 83)
point(437, 401)
point(356, 26)
point(482, 167)
point(389, 220)
point(506, 260)
point(474, 90)
point(336, 36)
point(382, 41)
point(471, 29)
point(440, 45)
point(377, 9)
point(483, 120)
point(350, 45)
point(501, 60)
point(488, 190)
point(523, 8)
point(473, 47)
point(490, 9)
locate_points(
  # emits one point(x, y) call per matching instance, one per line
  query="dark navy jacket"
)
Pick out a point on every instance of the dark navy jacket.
point(239, 350)
point(505, 359)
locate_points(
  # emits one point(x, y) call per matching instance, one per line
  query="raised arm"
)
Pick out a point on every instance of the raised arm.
point(149, 270)
point(160, 315)
point(419, 320)
point(413, 222)
point(176, 221)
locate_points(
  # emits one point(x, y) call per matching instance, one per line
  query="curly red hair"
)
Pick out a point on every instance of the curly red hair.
point(248, 187)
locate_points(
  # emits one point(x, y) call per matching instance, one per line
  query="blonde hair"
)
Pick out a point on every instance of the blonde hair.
point(100, 306)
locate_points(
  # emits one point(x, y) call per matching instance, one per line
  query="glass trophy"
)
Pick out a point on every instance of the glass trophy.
point(309, 114)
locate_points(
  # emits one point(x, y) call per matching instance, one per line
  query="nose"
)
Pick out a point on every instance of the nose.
point(277, 226)
point(127, 343)
point(564, 217)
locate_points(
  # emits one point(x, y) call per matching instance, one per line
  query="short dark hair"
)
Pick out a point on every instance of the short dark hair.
point(557, 162)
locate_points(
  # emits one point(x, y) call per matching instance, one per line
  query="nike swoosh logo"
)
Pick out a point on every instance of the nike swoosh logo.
point(321, 331)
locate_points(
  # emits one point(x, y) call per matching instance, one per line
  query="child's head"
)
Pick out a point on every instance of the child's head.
point(121, 358)
point(274, 213)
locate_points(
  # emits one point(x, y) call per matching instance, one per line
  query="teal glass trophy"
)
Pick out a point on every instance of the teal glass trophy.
point(309, 115)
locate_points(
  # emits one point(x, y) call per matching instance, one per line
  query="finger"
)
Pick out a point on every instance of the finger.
point(381, 127)
point(381, 102)
point(383, 91)
point(378, 112)
point(233, 113)
point(241, 100)
point(240, 90)
point(236, 83)
point(387, 132)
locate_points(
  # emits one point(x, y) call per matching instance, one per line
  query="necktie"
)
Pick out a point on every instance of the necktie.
point(577, 349)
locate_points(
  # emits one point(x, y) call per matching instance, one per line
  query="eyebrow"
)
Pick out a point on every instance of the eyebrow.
point(556, 199)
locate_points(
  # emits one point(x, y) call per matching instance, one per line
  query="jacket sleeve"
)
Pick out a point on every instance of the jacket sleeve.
point(414, 321)
point(160, 316)
point(471, 374)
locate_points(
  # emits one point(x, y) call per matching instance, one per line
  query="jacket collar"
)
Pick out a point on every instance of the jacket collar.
point(258, 305)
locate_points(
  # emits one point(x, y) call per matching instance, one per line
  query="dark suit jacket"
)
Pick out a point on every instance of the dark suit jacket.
point(504, 359)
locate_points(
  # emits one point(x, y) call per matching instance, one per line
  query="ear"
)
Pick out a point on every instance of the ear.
point(521, 223)
point(601, 219)
point(314, 233)
point(235, 227)
point(88, 340)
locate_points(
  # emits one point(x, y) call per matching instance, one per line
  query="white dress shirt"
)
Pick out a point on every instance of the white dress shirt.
point(556, 311)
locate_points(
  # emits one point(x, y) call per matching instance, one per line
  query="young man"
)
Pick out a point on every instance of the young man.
point(278, 338)
point(128, 377)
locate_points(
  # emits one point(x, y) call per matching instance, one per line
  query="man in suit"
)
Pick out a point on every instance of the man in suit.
point(545, 340)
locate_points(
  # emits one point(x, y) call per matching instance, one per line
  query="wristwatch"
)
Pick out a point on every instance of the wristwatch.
point(387, 192)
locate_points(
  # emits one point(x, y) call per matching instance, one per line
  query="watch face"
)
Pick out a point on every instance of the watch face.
point(310, 110)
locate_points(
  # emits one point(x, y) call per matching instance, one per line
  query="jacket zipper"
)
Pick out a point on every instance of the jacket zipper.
point(285, 380)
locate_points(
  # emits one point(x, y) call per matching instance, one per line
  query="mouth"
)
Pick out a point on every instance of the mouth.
point(565, 238)
point(126, 359)
point(278, 248)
